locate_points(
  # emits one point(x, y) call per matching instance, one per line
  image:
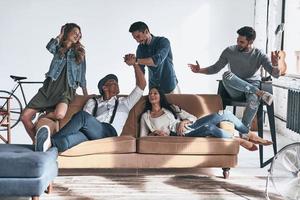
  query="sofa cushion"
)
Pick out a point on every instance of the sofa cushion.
point(18, 161)
point(186, 145)
point(114, 145)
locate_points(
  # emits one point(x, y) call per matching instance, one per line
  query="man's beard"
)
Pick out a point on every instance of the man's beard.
point(242, 49)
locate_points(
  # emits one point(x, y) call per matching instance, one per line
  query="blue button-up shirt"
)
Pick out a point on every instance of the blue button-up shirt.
point(75, 72)
point(163, 73)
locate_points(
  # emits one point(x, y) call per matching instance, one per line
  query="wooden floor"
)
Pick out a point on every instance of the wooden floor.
point(148, 187)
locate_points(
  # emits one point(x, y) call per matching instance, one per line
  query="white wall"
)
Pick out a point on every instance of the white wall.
point(197, 29)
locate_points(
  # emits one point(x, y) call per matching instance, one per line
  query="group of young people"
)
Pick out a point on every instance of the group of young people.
point(106, 116)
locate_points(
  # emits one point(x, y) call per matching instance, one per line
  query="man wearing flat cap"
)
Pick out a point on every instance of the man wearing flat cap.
point(101, 117)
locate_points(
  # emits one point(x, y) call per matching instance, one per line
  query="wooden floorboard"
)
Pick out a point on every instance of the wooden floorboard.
point(161, 187)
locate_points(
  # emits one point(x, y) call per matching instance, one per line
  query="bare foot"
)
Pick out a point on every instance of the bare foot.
point(258, 140)
point(247, 144)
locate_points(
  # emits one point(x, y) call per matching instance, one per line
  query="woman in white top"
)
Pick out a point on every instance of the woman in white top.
point(160, 118)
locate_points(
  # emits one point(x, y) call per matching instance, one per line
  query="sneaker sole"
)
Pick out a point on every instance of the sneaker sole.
point(41, 137)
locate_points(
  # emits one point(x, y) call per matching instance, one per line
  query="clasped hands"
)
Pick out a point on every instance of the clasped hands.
point(130, 59)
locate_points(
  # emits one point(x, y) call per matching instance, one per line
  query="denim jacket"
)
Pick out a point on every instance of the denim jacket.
point(75, 72)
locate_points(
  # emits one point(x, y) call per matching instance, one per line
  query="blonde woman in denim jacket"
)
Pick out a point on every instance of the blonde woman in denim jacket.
point(67, 72)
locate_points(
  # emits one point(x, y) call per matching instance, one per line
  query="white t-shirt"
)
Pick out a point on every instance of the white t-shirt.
point(106, 107)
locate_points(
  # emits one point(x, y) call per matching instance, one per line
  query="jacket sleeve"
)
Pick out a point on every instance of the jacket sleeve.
point(53, 45)
point(82, 83)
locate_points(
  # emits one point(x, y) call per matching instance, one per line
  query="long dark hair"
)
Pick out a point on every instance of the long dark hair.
point(163, 102)
point(78, 47)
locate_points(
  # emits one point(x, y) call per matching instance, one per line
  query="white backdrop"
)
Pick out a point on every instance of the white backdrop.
point(197, 29)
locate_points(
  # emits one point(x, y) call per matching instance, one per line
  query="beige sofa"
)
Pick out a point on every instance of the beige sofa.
point(130, 151)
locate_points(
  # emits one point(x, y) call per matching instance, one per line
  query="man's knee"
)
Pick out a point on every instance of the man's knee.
point(60, 115)
point(26, 116)
point(253, 101)
point(82, 115)
point(61, 144)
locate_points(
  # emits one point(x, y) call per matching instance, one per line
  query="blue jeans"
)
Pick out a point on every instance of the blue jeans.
point(80, 128)
point(238, 89)
point(207, 126)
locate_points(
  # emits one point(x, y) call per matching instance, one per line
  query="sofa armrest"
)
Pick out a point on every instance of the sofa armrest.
point(53, 125)
point(227, 126)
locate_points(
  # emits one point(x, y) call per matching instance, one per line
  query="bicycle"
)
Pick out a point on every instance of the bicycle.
point(16, 107)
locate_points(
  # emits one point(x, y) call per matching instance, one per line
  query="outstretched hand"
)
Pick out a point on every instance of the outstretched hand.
point(195, 67)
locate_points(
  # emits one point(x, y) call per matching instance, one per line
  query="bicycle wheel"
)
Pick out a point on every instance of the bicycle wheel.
point(15, 108)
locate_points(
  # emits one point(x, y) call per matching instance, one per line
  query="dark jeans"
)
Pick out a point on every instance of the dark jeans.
point(80, 128)
point(207, 126)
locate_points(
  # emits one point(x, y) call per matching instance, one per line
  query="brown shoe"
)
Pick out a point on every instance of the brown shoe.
point(247, 144)
point(258, 140)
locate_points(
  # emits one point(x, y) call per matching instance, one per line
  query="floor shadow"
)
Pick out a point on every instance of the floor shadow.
point(215, 186)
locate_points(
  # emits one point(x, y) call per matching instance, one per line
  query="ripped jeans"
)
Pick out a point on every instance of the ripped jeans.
point(238, 89)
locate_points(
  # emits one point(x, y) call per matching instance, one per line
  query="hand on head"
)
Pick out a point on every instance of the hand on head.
point(62, 30)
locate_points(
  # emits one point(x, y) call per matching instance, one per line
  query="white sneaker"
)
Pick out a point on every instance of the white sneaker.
point(267, 97)
point(42, 139)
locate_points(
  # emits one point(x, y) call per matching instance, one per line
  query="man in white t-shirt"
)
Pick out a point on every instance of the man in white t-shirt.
point(100, 118)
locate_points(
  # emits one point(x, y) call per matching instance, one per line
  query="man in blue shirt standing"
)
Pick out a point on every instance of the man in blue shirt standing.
point(155, 53)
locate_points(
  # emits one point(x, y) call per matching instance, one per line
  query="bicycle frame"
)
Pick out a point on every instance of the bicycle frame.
point(19, 84)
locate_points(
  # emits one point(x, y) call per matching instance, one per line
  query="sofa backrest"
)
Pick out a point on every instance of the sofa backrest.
point(198, 105)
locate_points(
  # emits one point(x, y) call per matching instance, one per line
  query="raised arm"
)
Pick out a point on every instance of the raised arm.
point(130, 60)
point(52, 46)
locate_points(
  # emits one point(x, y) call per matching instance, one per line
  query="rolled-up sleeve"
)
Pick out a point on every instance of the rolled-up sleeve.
point(52, 46)
point(89, 106)
point(162, 53)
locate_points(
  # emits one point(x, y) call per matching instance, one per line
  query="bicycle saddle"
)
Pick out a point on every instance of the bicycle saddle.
point(17, 78)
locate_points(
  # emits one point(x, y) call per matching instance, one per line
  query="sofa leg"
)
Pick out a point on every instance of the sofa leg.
point(49, 188)
point(226, 172)
point(35, 198)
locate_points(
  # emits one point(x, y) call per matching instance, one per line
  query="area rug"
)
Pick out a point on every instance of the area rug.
point(153, 187)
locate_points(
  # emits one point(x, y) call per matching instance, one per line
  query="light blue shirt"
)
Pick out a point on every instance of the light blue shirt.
point(75, 72)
